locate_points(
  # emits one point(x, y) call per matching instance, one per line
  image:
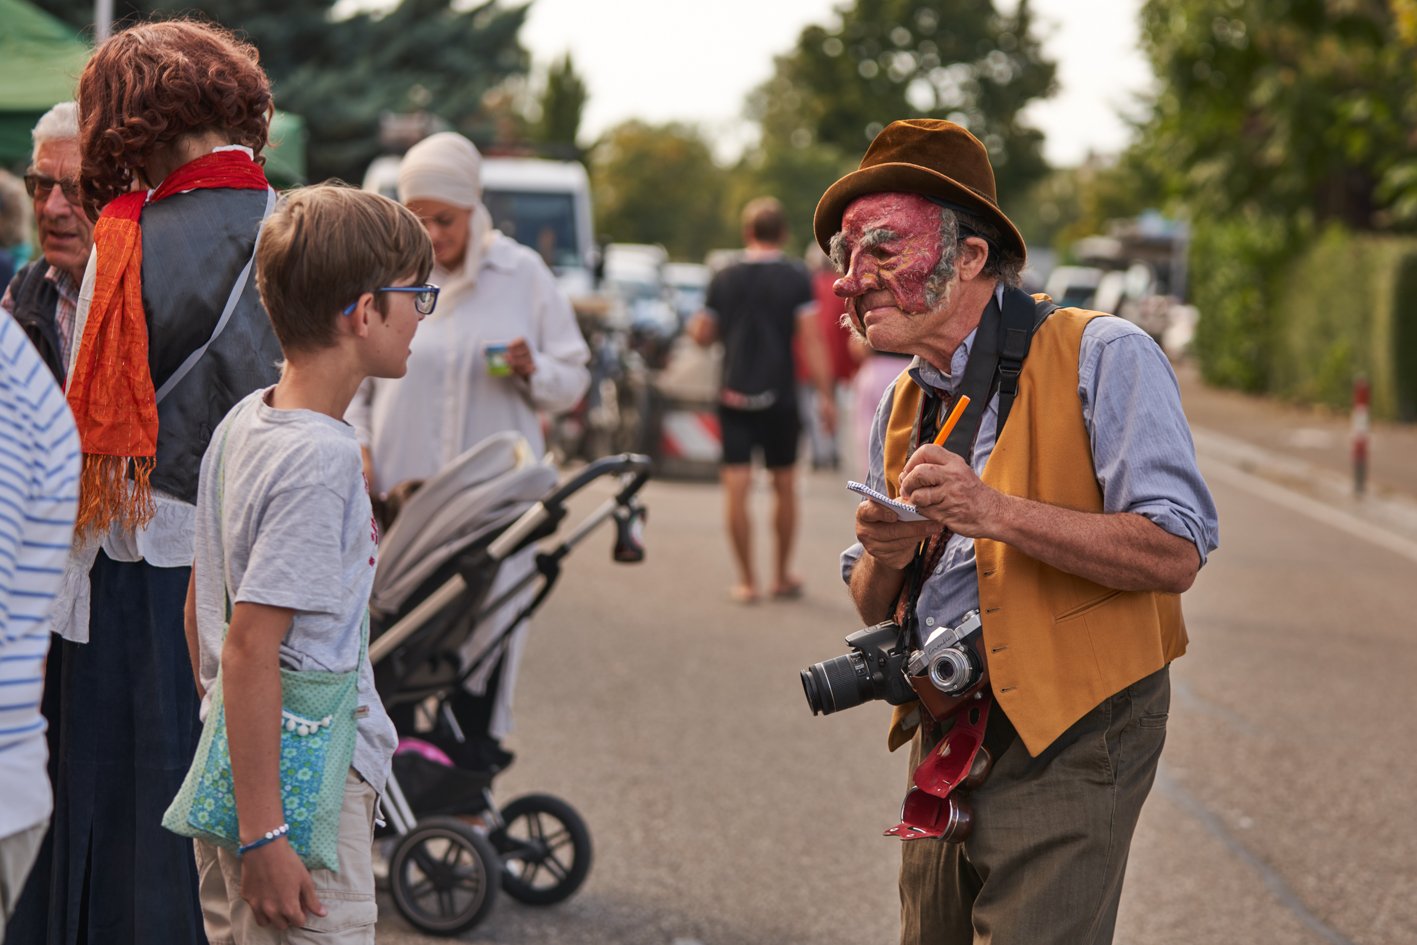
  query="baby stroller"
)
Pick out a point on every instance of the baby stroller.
point(438, 563)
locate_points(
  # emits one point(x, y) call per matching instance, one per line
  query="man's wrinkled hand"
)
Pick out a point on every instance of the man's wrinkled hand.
point(278, 887)
point(886, 538)
point(944, 488)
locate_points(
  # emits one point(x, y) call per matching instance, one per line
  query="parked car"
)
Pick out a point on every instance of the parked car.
point(1073, 286)
point(634, 275)
point(688, 286)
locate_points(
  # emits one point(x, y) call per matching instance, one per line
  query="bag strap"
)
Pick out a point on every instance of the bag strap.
point(232, 298)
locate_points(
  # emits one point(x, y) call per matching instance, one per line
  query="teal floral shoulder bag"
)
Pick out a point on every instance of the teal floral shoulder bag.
point(318, 730)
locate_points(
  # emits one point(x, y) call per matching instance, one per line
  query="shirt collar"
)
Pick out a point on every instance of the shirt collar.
point(235, 147)
point(932, 379)
point(62, 281)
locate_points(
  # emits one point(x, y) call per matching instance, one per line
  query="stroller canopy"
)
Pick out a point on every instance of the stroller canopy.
point(475, 496)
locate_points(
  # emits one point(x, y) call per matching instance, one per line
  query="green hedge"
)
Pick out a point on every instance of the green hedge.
point(1236, 275)
point(1348, 305)
point(1299, 315)
point(1404, 337)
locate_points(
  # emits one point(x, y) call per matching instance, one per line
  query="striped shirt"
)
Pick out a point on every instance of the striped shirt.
point(39, 470)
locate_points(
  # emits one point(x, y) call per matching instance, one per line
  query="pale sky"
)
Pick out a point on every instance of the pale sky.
point(686, 60)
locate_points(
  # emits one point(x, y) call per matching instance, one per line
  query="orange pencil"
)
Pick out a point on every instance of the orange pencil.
point(952, 419)
point(956, 412)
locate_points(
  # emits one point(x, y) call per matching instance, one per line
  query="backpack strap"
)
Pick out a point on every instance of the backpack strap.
point(996, 361)
point(1022, 316)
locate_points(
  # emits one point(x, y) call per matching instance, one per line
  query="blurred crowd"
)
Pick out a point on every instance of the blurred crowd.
point(139, 321)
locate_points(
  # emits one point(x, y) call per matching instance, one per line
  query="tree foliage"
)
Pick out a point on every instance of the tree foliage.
point(1091, 198)
point(342, 74)
point(1300, 108)
point(889, 59)
point(659, 184)
point(562, 103)
point(795, 176)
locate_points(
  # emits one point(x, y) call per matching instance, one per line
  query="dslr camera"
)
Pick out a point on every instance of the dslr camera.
point(875, 669)
point(944, 672)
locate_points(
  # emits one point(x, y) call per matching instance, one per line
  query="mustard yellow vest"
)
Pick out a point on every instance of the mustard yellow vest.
point(1057, 645)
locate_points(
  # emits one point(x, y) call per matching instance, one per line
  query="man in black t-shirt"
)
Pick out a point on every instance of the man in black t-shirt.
point(755, 306)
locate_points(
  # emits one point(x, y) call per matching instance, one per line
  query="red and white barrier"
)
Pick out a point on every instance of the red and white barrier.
point(691, 435)
point(1360, 434)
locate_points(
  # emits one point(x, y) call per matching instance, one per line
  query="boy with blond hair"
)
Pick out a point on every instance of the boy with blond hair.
point(285, 535)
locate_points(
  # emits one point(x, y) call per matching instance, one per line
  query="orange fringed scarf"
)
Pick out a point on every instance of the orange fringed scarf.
point(111, 390)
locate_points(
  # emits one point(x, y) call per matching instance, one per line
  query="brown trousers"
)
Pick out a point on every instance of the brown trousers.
point(1044, 865)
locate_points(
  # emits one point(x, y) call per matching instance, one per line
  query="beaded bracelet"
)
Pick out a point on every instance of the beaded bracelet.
point(268, 837)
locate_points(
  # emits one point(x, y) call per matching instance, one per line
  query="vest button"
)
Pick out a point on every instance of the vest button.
point(929, 621)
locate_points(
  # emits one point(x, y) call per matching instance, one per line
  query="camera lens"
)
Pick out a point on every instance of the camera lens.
point(836, 684)
point(954, 670)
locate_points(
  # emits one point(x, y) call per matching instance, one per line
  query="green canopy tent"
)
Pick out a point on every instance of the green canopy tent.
point(285, 155)
point(40, 62)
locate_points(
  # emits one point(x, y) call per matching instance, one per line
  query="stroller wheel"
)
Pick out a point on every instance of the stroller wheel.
point(443, 876)
point(545, 849)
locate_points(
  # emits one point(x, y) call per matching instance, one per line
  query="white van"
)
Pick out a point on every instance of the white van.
point(541, 204)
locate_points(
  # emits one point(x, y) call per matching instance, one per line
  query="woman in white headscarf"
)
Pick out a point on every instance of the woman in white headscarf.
point(502, 346)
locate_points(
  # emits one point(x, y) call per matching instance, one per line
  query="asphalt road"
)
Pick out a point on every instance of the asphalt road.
point(724, 814)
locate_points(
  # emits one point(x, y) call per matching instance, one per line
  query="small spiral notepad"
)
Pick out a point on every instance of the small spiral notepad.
point(905, 511)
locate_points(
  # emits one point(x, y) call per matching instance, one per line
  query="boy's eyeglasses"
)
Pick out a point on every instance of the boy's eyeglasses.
point(40, 186)
point(425, 297)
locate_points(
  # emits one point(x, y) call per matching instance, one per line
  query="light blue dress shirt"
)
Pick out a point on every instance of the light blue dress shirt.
point(1141, 448)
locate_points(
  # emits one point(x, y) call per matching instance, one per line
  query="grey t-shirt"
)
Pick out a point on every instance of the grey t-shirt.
point(295, 531)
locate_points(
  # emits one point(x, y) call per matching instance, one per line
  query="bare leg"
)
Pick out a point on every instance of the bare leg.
point(736, 482)
point(784, 489)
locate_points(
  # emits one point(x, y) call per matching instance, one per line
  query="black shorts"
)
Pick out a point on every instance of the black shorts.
point(775, 431)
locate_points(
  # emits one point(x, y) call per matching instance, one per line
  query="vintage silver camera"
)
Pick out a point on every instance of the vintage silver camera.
point(949, 658)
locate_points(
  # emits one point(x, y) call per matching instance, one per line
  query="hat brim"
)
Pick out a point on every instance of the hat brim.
point(906, 179)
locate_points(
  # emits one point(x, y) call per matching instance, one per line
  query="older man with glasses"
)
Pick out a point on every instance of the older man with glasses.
point(43, 297)
point(44, 294)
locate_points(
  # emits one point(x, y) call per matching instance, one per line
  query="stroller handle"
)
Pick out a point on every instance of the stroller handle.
point(545, 515)
point(634, 465)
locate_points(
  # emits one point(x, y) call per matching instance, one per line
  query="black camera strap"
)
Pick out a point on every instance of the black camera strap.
point(1001, 344)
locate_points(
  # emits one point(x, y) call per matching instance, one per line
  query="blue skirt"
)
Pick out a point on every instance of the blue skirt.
point(129, 728)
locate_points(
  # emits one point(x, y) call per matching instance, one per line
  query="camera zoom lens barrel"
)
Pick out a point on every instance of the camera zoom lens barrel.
point(836, 684)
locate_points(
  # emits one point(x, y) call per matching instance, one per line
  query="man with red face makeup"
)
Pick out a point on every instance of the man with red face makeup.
point(1071, 526)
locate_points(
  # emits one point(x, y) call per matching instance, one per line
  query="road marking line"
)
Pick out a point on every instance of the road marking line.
point(1297, 502)
point(1281, 890)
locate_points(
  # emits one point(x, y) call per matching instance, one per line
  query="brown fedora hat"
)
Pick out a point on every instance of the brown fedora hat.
point(927, 156)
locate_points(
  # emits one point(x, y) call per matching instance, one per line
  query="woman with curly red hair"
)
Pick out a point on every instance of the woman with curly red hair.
point(170, 334)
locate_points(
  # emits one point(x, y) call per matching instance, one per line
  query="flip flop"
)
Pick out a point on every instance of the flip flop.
point(790, 591)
